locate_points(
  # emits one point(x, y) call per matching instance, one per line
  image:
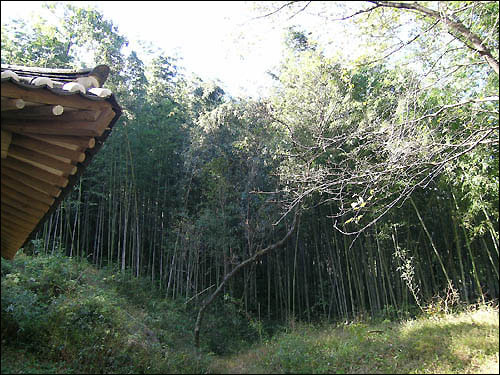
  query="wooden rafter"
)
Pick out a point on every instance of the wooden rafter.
point(53, 122)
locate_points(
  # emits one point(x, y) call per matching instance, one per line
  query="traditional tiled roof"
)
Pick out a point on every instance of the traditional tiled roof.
point(53, 122)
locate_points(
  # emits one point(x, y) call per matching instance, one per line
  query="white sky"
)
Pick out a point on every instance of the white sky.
point(215, 39)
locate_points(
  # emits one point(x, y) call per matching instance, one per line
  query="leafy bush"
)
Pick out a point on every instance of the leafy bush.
point(62, 313)
point(227, 328)
point(22, 313)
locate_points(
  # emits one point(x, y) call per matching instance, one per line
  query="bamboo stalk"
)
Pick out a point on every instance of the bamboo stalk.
point(330, 260)
point(340, 273)
point(58, 216)
point(76, 218)
point(459, 251)
point(432, 242)
point(493, 233)
point(493, 264)
point(295, 270)
point(474, 269)
point(46, 235)
point(385, 270)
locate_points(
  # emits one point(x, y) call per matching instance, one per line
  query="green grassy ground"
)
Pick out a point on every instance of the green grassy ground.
point(60, 315)
point(465, 342)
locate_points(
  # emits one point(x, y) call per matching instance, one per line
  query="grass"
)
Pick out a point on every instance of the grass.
point(20, 361)
point(458, 343)
point(61, 315)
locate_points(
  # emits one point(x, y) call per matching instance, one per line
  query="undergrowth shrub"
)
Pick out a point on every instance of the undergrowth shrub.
point(22, 318)
point(227, 328)
point(96, 321)
point(29, 286)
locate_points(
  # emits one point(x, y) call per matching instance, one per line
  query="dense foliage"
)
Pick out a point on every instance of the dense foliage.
point(66, 313)
point(392, 168)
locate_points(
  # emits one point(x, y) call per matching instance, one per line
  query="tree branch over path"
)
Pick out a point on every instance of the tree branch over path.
point(228, 276)
point(455, 25)
point(366, 169)
point(473, 41)
point(276, 11)
point(444, 107)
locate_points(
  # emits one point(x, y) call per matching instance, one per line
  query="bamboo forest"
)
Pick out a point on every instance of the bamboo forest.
point(310, 230)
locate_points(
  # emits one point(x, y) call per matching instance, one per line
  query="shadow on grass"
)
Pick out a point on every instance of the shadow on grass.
point(448, 345)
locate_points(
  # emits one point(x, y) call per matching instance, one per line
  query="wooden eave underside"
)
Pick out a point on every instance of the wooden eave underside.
point(48, 139)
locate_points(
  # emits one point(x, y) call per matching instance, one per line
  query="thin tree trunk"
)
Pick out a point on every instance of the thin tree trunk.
point(493, 233)
point(474, 270)
point(124, 244)
point(432, 242)
point(295, 271)
point(227, 277)
point(459, 253)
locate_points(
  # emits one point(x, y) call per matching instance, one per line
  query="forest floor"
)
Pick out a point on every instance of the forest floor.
point(459, 343)
point(62, 315)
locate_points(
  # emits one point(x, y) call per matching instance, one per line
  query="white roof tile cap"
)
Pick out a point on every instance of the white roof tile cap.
point(40, 81)
point(88, 82)
point(73, 87)
point(10, 74)
point(100, 92)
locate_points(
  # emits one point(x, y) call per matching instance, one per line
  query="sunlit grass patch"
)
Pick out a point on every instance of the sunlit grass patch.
point(452, 343)
point(464, 342)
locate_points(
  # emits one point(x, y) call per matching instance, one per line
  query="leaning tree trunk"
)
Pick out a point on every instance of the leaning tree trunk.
point(228, 276)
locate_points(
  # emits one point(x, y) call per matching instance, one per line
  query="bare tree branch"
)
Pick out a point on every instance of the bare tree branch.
point(456, 25)
point(275, 11)
point(357, 13)
point(482, 100)
point(402, 45)
point(228, 276)
point(301, 10)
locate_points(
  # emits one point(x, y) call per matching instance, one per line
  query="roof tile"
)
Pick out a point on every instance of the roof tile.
point(43, 135)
